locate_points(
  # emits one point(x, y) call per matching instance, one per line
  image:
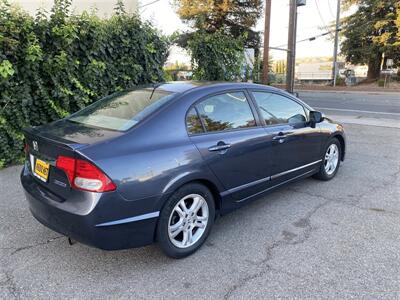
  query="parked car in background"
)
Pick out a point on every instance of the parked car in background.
point(160, 163)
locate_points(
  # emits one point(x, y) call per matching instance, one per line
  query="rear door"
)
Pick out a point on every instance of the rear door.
point(227, 132)
point(296, 145)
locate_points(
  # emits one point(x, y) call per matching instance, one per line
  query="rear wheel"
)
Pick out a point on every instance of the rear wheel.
point(331, 161)
point(186, 220)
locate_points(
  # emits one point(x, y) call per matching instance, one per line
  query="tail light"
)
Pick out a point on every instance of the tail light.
point(85, 176)
point(26, 148)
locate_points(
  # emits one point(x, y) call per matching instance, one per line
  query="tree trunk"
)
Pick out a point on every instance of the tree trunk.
point(374, 66)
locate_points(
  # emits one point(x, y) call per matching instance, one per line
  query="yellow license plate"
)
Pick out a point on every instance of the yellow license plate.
point(42, 169)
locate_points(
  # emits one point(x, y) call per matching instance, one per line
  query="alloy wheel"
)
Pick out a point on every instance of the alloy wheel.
point(188, 221)
point(331, 159)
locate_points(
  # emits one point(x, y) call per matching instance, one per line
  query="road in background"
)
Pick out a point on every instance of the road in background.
point(367, 108)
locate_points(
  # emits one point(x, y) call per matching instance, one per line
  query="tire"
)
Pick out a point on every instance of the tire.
point(327, 173)
point(181, 228)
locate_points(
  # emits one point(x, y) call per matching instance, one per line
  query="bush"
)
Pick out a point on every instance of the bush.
point(340, 81)
point(381, 82)
point(216, 56)
point(53, 66)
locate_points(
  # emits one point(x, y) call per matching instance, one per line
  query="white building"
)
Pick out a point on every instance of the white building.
point(103, 7)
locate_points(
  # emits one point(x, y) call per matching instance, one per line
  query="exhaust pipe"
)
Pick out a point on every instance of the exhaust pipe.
point(70, 241)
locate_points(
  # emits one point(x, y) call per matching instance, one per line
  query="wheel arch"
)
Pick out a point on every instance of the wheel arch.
point(211, 183)
point(342, 142)
point(191, 179)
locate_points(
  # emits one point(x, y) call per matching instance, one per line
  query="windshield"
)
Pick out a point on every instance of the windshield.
point(123, 110)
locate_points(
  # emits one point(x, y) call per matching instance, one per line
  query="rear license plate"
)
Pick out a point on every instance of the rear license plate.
point(42, 169)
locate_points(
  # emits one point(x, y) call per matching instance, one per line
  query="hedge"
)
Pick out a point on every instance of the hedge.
point(56, 63)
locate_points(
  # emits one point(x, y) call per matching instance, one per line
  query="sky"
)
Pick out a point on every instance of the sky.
point(312, 20)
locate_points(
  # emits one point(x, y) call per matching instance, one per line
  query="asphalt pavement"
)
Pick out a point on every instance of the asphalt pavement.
point(367, 108)
point(308, 240)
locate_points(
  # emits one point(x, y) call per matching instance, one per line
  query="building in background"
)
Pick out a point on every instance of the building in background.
point(103, 8)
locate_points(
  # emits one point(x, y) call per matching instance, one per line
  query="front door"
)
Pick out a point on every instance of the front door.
point(231, 142)
point(296, 145)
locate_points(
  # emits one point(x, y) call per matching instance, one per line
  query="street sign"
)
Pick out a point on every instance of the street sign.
point(301, 2)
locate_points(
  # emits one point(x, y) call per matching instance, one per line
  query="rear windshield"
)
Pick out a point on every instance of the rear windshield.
point(123, 110)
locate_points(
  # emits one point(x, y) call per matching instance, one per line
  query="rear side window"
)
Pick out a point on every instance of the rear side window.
point(193, 122)
point(277, 109)
point(226, 112)
point(123, 110)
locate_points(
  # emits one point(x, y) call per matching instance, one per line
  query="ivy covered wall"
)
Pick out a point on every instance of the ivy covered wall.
point(54, 64)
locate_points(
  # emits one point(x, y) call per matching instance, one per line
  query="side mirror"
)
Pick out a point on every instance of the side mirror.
point(315, 117)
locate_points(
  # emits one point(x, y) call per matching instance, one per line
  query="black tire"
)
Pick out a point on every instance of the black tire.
point(162, 228)
point(322, 173)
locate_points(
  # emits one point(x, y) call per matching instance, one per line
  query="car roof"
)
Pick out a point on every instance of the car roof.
point(183, 86)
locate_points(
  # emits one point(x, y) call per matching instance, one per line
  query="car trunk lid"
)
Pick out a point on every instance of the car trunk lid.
point(46, 143)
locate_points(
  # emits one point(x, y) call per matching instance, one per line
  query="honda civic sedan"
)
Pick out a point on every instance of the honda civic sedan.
point(160, 163)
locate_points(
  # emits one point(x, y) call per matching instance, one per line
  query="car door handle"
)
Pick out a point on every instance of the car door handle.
point(279, 137)
point(219, 147)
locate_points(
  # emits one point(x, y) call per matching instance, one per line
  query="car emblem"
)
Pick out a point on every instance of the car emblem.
point(35, 146)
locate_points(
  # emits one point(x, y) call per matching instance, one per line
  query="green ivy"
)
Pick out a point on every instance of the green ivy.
point(53, 65)
point(216, 56)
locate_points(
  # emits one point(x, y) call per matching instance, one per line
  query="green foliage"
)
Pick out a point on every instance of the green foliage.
point(223, 24)
point(52, 66)
point(340, 81)
point(235, 18)
point(372, 30)
point(6, 69)
point(381, 82)
point(216, 56)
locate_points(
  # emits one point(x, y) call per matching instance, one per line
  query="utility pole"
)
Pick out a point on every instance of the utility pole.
point(267, 23)
point(335, 49)
point(291, 54)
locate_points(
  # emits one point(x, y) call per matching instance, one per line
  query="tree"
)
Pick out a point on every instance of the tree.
point(227, 24)
point(371, 32)
point(232, 17)
point(216, 56)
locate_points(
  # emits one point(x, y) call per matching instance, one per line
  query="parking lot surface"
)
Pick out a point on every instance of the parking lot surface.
point(311, 239)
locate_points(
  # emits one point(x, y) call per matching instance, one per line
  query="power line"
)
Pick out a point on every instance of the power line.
point(310, 39)
point(320, 16)
point(147, 4)
point(330, 9)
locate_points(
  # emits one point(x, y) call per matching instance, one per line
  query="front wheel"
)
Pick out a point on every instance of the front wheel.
point(186, 220)
point(331, 161)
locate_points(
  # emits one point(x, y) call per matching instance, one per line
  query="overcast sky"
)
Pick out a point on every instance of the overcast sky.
point(312, 21)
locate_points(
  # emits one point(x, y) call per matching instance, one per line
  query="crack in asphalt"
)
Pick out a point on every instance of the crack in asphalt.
point(9, 282)
point(245, 280)
point(276, 244)
point(304, 222)
point(16, 250)
point(10, 285)
point(354, 205)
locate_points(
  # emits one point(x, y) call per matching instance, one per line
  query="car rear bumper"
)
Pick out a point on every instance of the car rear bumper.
point(106, 226)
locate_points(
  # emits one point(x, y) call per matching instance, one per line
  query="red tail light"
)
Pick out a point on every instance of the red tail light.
point(83, 175)
point(26, 147)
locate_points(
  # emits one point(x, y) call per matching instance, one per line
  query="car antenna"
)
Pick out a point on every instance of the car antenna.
point(156, 85)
